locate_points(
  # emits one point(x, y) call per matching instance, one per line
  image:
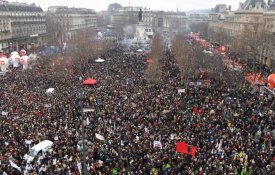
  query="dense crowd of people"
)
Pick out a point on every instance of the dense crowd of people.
point(234, 133)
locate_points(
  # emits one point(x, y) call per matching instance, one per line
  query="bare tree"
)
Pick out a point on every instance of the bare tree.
point(185, 57)
point(201, 27)
point(221, 36)
point(157, 49)
point(251, 43)
point(56, 28)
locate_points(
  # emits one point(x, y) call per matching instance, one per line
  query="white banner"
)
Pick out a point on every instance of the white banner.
point(157, 144)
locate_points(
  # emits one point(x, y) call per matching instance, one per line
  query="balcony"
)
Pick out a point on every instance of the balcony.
point(5, 31)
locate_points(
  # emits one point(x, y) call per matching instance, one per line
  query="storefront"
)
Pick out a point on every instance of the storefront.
point(26, 43)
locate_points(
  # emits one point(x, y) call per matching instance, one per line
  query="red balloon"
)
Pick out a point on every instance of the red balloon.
point(150, 61)
point(223, 49)
point(271, 79)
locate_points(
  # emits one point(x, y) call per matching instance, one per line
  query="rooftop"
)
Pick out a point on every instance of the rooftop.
point(17, 6)
point(253, 5)
point(66, 9)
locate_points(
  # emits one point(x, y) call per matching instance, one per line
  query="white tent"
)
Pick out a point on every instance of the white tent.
point(99, 60)
point(49, 91)
point(139, 50)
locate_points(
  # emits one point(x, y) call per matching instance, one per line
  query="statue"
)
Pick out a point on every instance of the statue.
point(140, 15)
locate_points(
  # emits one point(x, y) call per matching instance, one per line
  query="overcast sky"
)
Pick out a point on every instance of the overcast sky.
point(167, 5)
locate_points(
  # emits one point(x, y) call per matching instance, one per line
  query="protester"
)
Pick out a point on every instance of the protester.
point(234, 131)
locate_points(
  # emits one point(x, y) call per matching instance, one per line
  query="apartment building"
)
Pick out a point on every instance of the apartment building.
point(65, 22)
point(22, 26)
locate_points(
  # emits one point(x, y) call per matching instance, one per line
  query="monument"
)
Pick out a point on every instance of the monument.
point(143, 33)
point(140, 15)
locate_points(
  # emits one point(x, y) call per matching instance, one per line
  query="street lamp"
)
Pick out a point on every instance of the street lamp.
point(10, 47)
point(84, 147)
point(87, 82)
point(32, 47)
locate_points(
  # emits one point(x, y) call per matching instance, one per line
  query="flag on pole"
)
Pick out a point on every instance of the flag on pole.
point(79, 167)
point(87, 121)
point(193, 151)
point(182, 147)
point(14, 165)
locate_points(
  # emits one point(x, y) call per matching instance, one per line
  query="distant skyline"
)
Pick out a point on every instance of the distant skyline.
point(167, 5)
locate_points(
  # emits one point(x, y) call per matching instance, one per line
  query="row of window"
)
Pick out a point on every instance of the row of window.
point(34, 29)
point(267, 26)
point(77, 15)
point(4, 21)
point(27, 14)
point(29, 19)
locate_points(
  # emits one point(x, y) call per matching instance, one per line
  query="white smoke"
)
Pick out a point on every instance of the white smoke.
point(126, 43)
point(129, 31)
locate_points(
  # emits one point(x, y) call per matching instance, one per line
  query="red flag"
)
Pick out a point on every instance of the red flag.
point(200, 111)
point(182, 147)
point(193, 151)
point(195, 110)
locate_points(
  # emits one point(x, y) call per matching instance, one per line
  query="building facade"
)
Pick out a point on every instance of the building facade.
point(253, 18)
point(126, 17)
point(23, 26)
point(269, 28)
point(159, 21)
point(197, 18)
point(65, 22)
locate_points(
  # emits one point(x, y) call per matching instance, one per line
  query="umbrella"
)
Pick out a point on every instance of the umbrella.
point(89, 81)
point(99, 60)
point(100, 137)
point(139, 50)
point(150, 61)
point(49, 91)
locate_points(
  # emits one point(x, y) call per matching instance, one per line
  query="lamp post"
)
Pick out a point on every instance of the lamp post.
point(89, 81)
point(83, 136)
point(10, 47)
point(32, 47)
